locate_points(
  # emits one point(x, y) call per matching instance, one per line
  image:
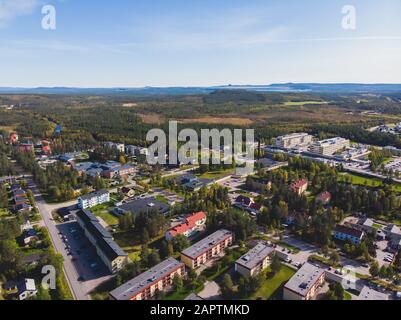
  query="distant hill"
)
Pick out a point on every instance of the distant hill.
point(284, 87)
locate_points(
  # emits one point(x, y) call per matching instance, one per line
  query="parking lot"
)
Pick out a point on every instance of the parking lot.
point(90, 269)
point(383, 256)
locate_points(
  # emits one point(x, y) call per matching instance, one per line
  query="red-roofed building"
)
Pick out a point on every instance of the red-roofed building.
point(299, 187)
point(13, 138)
point(191, 224)
point(323, 198)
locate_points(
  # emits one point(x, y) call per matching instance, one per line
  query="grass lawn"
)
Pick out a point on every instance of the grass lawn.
point(271, 285)
point(368, 181)
point(216, 174)
point(107, 217)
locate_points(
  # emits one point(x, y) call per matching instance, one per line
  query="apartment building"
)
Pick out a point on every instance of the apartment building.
point(255, 261)
point(191, 225)
point(293, 140)
point(146, 285)
point(329, 146)
point(344, 233)
point(108, 251)
point(93, 199)
point(206, 249)
point(305, 283)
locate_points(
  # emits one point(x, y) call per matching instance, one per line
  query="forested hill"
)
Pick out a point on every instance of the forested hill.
point(285, 87)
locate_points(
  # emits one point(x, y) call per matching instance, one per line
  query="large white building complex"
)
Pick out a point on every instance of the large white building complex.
point(293, 140)
point(329, 146)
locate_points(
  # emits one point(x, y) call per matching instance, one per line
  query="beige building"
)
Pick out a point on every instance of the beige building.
point(293, 140)
point(148, 284)
point(207, 249)
point(305, 283)
point(329, 146)
point(255, 261)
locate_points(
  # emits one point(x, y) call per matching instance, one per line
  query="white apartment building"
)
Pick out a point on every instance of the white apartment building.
point(93, 199)
point(329, 146)
point(293, 140)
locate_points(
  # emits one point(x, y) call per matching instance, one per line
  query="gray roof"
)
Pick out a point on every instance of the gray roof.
point(144, 205)
point(131, 288)
point(104, 241)
point(255, 256)
point(94, 194)
point(205, 244)
point(193, 297)
point(370, 294)
point(304, 279)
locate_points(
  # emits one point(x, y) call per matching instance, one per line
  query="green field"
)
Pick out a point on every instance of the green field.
point(216, 174)
point(368, 181)
point(271, 285)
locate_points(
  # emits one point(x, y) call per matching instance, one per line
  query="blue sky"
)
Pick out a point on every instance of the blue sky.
point(101, 43)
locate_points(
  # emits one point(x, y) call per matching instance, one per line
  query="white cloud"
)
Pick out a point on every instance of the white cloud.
point(10, 9)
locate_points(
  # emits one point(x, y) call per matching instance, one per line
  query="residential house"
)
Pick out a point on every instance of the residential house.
point(323, 198)
point(191, 225)
point(27, 289)
point(29, 236)
point(299, 187)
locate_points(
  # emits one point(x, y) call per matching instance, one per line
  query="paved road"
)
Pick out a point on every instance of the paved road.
point(45, 210)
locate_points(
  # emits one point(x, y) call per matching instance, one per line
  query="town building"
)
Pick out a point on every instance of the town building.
point(142, 205)
point(207, 249)
point(344, 233)
point(27, 289)
point(329, 146)
point(191, 225)
point(25, 147)
point(305, 283)
point(293, 140)
point(299, 187)
point(120, 147)
point(370, 294)
point(93, 199)
point(108, 251)
point(146, 285)
point(255, 261)
point(323, 198)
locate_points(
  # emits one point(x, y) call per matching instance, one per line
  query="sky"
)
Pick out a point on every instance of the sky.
point(125, 43)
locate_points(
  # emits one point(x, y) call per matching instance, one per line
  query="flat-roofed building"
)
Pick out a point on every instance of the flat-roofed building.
point(93, 199)
point(305, 283)
point(255, 260)
point(293, 140)
point(146, 285)
point(108, 251)
point(329, 146)
point(370, 294)
point(208, 248)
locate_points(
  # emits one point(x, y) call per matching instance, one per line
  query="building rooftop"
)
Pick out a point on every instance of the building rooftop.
point(370, 294)
point(189, 223)
point(144, 205)
point(349, 231)
point(206, 243)
point(304, 279)
point(332, 141)
point(94, 194)
point(131, 288)
point(256, 255)
point(103, 238)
